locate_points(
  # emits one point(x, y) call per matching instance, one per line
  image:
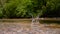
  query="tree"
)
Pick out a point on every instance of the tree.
point(52, 7)
point(29, 8)
point(1, 14)
point(1, 7)
point(2, 2)
point(17, 8)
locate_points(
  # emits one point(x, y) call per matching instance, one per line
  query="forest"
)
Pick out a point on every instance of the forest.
point(29, 8)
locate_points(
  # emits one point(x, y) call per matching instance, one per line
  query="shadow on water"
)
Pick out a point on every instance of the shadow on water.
point(49, 22)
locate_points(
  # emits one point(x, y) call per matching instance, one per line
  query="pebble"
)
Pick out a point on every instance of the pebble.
point(19, 29)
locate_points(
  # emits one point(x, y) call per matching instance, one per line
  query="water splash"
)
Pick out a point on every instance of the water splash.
point(35, 24)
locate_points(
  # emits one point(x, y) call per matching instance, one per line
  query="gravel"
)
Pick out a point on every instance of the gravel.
point(17, 28)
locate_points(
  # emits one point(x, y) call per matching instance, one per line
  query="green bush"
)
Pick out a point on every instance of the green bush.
point(29, 8)
point(1, 14)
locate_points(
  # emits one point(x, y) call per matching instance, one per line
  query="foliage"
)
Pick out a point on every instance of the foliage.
point(52, 7)
point(1, 14)
point(28, 8)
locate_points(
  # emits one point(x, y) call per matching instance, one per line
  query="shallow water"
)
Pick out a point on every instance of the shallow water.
point(17, 28)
